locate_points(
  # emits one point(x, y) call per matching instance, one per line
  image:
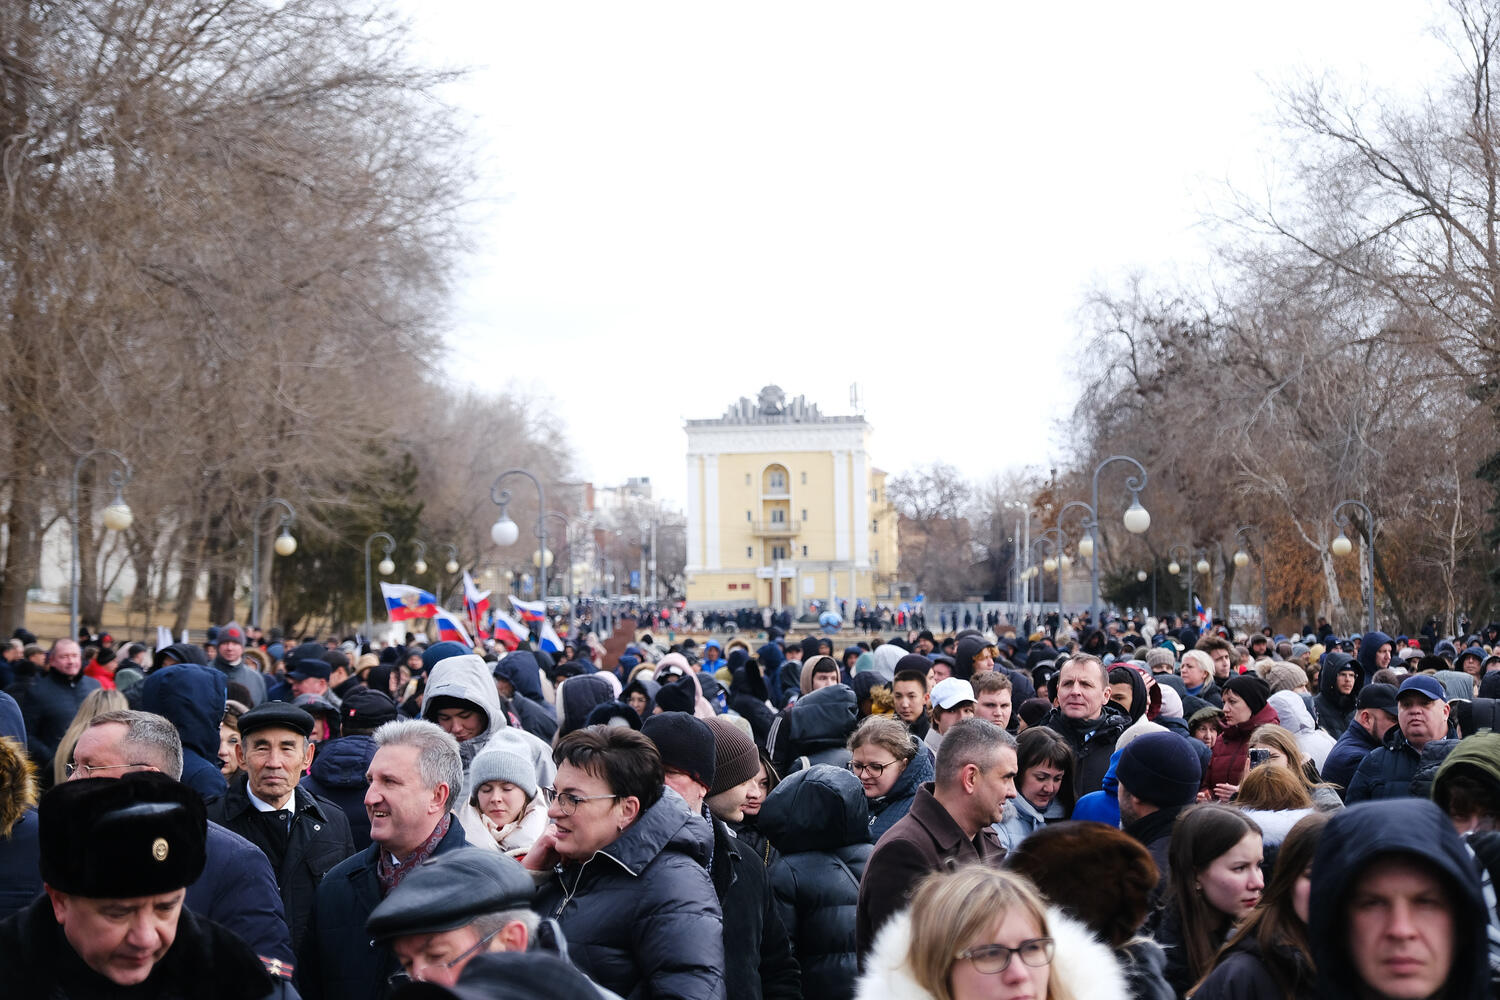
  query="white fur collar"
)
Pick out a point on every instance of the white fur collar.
point(1082, 963)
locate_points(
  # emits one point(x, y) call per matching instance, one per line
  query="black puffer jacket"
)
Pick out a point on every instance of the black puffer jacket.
point(758, 959)
point(1333, 709)
point(1093, 743)
point(819, 820)
point(1247, 973)
point(1388, 771)
point(816, 727)
point(642, 914)
point(338, 775)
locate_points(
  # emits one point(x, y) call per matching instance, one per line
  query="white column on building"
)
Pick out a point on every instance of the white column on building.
point(694, 514)
point(711, 512)
point(840, 505)
point(833, 588)
point(862, 509)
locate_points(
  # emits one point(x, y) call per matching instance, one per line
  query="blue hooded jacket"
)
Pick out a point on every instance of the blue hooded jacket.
point(192, 698)
point(1368, 645)
point(770, 658)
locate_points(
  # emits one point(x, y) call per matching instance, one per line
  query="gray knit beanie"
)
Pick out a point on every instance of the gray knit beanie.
point(502, 765)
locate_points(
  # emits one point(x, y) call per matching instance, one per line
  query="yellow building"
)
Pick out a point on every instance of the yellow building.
point(784, 508)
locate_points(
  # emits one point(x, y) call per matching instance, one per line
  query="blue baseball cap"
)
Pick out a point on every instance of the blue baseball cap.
point(1423, 684)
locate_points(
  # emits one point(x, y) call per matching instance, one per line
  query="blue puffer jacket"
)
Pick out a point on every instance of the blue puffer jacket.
point(339, 961)
point(1347, 754)
point(1387, 772)
point(641, 917)
point(890, 807)
point(192, 699)
point(338, 775)
point(818, 819)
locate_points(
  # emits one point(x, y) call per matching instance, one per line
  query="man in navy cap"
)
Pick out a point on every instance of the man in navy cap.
point(116, 858)
point(302, 835)
point(1419, 736)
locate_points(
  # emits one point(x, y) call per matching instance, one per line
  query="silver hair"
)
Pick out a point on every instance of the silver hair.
point(153, 738)
point(492, 923)
point(972, 741)
point(438, 759)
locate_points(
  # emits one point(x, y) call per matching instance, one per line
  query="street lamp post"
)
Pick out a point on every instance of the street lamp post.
point(117, 517)
point(1055, 541)
point(1341, 546)
point(1137, 519)
point(386, 568)
point(1023, 537)
point(284, 545)
point(568, 549)
point(1242, 559)
point(504, 532)
point(1173, 567)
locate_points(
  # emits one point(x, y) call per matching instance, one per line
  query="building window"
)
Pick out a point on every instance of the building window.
point(778, 552)
point(747, 479)
point(804, 513)
point(778, 480)
point(804, 479)
point(749, 516)
point(873, 496)
point(875, 558)
point(875, 526)
point(749, 552)
point(804, 552)
point(778, 516)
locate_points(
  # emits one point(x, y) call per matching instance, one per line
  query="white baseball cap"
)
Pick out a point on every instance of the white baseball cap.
point(950, 692)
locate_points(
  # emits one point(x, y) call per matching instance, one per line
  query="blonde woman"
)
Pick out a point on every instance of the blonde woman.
point(96, 704)
point(980, 934)
point(505, 809)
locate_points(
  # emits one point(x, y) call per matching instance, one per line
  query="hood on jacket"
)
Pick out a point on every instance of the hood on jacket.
point(1368, 645)
point(666, 826)
point(18, 788)
point(342, 763)
point(771, 659)
point(820, 808)
point(822, 720)
point(521, 671)
point(645, 686)
point(1366, 832)
point(964, 652)
point(191, 696)
point(577, 697)
point(1139, 700)
point(1458, 686)
point(1328, 678)
point(1292, 711)
point(886, 655)
point(182, 652)
point(12, 722)
point(1475, 651)
point(467, 678)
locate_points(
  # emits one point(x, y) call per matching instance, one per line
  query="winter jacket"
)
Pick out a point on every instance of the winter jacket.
point(818, 818)
point(319, 839)
point(1020, 821)
point(520, 670)
point(1359, 836)
point(1085, 967)
point(1333, 709)
point(1246, 973)
point(1093, 741)
point(641, 914)
point(467, 678)
point(338, 960)
point(887, 809)
point(816, 727)
point(1312, 741)
point(925, 840)
point(338, 775)
point(192, 698)
point(242, 673)
point(20, 847)
point(237, 890)
point(1387, 772)
point(1434, 755)
point(204, 961)
point(758, 957)
point(749, 698)
point(1231, 752)
point(1347, 754)
point(1369, 645)
point(50, 702)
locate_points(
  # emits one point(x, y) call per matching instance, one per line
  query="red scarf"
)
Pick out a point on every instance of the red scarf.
point(390, 872)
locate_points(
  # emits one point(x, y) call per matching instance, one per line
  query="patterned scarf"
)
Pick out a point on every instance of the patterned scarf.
point(391, 871)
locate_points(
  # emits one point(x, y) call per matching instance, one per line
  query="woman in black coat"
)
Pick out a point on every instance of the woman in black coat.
point(819, 821)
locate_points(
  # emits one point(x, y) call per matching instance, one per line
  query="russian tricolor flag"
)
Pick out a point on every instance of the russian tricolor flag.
point(451, 629)
point(531, 612)
point(548, 639)
point(404, 603)
point(508, 632)
point(1205, 617)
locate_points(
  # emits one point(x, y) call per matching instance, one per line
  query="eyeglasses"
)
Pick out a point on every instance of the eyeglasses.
point(569, 803)
point(873, 770)
point(992, 959)
point(403, 977)
point(89, 769)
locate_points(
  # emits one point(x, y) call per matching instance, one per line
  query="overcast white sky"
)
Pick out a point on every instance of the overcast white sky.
point(682, 202)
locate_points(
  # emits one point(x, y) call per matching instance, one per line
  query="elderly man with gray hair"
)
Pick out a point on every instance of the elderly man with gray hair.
point(948, 823)
point(415, 778)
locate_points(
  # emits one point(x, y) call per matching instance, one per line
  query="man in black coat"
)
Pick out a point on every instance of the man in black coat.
point(52, 699)
point(410, 821)
point(1158, 775)
point(1374, 716)
point(116, 856)
point(1422, 719)
point(1087, 719)
point(302, 835)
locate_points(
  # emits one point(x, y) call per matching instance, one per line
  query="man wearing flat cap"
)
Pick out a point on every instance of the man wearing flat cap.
point(117, 855)
point(436, 931)
point(303, 835)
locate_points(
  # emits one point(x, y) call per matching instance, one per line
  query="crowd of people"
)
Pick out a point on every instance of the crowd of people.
point(1135, 810)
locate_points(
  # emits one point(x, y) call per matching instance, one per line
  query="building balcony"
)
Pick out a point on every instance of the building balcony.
point(774, 529)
